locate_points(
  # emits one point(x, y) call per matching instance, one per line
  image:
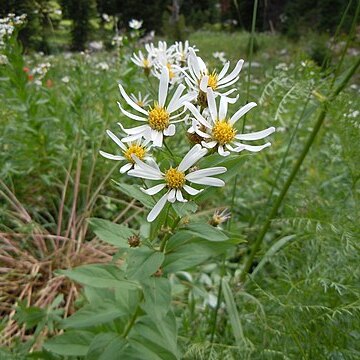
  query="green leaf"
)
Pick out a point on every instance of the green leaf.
point(111, 233)
point(160, 337)
point(273, 249)
point(106, 346)
point(233, 315)
point(185, 208)
point(100, 276)
point(90, 315)
point(135, 192)
point(72, 343)
point(206, 231)
point(157, 296)
point(192, 251)
point(143, 262)
point(30, 316)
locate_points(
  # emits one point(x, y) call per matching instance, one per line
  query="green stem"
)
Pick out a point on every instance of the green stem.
point(251, 51)
point(133, 319)
point(216, 311)
point(168, 149)
point(352, 31)
point(166, 237)
point(279, 200)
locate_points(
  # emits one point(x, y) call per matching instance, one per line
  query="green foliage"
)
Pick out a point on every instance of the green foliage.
point(301, 300)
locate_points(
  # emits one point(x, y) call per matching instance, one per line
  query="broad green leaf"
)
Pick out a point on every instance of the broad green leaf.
point(233, 314)
point(143, 262)
point(206, 231)
point(157, 296)
point(106, 346)
point(183, 209)
point(101, 276)
point(111, 233)
point(72, 343)
point(134, 192)
point(194, 252)
point(89, 315)
point(158, 336)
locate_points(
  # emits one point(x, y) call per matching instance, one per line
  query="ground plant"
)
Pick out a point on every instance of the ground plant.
point(180, 200)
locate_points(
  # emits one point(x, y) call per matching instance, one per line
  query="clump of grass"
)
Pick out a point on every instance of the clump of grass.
point(30, 260)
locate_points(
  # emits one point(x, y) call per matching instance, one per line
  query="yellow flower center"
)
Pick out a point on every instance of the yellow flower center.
point(171, 73)
point(158, 118)
point(174, 178)
point(223, 132)
point(213, 80)
point(146, 63)
point(135, 149)
point(140, 103)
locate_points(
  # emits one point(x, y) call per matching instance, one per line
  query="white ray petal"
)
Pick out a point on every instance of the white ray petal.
point(228, 83)
point(190, 190)
point(204, 83)
point(153, 214)
point(223, 108)
point(135, 130)
point(146, 168)
point(173, 102)
point(131, 102)
point(256, 135)
point(130, 115)
point(224, 70)
point(209, 145)
point(170, 130)
point(201, 133)
point(111, 156)
point(116, 139)
point(153, 190)
point(139, 173)
point(254, 148)
point(223, 152)
point(242, 111)
point(125, 168)
point(212, 104)
point(153, 164)
point(194, 154)
point(193, 63)
point(205, 172)
point(197, 115)
point(209, 181)
point(157, 137)
point(172, 195)
point(163, 86)
point(131, 138)
point(234, 73)
point(179, 196)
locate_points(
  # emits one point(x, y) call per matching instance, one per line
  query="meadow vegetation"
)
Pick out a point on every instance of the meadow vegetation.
point(299, 298)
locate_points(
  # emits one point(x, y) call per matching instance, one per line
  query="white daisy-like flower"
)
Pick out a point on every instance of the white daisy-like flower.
point(154, 51)
point(199, 78)
point(144, 62)
point(135, 24)
point(160, 119)
point(141, 100)
point(181, 52)
point(218, 131)
point(138, 148)
point(176, 180)
point(167, 60)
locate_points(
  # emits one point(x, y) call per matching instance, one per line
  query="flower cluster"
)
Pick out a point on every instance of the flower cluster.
point(173, 57)
point(8, 25)
point(188, 93)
